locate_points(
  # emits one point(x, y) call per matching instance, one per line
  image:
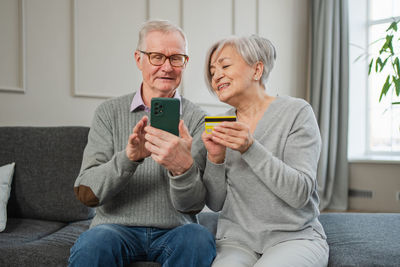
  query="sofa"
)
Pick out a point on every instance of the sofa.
point(44, 218)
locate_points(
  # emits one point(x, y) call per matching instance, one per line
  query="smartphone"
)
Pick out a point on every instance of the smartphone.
point(165, 114)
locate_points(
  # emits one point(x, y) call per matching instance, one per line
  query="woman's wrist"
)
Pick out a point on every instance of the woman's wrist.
point(216, 159)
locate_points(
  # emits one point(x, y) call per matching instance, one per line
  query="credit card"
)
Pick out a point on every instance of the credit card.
point(211, 121)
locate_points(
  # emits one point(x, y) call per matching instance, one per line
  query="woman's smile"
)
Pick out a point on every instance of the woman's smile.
point(222, 86)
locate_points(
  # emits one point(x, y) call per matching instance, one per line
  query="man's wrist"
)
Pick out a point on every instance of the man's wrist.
point(182, 170)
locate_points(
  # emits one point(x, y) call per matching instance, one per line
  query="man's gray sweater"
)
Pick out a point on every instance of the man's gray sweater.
point(133, 193)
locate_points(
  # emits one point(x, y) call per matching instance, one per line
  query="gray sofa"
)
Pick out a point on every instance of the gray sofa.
point(45, 219)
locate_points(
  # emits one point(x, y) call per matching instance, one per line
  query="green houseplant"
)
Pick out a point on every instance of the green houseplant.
point(388, 58)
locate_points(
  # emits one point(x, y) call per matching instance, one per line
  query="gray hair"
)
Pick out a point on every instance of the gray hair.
point(252, 49)
point(158, 25)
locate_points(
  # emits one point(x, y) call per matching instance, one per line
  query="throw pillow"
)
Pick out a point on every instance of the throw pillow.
point(6, 175)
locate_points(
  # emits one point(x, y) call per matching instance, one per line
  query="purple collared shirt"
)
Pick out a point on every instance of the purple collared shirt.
point(138, 104)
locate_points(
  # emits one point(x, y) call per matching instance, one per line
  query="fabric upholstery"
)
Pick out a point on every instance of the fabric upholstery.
point(362, 239)
point(6, 175)
point(27, 242)
point(19, 231)
point(47, 161)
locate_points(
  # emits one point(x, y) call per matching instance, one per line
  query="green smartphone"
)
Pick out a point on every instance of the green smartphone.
point(165, 114)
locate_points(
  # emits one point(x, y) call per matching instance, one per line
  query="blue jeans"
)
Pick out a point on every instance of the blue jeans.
point(118, 245)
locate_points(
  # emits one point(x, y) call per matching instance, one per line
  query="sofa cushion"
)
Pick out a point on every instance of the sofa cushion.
point(6, 175)
point(362, 239)
point(19, 231)
point(47, 162)
point(27, 242)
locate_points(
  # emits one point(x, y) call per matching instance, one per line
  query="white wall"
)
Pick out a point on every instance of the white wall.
point(60, 54)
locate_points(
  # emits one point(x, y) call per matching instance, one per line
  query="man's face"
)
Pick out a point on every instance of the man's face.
point(161, 80)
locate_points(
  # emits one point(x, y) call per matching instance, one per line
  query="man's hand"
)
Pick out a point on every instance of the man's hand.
point(169, 150)
point(135, 149)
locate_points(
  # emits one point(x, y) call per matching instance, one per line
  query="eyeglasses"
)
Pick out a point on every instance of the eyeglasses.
point(157, 59)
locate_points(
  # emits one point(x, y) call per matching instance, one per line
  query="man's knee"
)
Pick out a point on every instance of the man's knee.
point(196, 235)
point(197, 231)
point(190, 245)
point(93, 244)
point(97, 235)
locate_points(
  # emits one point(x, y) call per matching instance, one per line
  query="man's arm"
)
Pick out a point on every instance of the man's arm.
point(184, 162)
point(104, 172)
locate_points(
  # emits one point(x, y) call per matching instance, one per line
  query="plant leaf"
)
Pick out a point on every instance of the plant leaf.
point(393, 26)
point(385, 88)
point(395, 103)
point(384, 63)
point(396, 64)
point(378, 62)
point(397, 85)
point(390, 45)
point(387, 45)
point(370, 66)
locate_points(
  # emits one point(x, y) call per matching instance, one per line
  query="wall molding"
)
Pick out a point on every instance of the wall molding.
point(22, 53)
point(77, 91)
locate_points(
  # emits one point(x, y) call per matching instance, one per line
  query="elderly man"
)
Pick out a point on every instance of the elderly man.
point(134, 174)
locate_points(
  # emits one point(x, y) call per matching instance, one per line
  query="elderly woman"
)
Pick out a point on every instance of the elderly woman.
point(261, 169)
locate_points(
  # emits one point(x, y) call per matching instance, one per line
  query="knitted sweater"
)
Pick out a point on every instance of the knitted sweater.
point(269, 193)
point(133, 193)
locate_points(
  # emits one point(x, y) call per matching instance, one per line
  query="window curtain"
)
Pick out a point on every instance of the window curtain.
point(329, 85)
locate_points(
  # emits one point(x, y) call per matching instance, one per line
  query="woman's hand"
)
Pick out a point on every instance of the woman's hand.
point(216, 152)
point(235, 135)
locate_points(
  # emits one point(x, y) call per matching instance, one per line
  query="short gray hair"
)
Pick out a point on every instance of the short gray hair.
point(164, 26)
point(252, 49)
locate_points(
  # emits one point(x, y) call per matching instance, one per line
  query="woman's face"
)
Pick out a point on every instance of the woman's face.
point(231, 76)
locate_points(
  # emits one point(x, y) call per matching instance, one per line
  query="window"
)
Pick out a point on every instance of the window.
point(374, 127)
point(383, 119)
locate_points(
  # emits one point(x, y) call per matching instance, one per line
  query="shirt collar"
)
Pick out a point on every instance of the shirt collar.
point(138, 104)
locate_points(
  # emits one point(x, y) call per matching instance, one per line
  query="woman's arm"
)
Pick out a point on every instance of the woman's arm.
point(292, 178)
point(214, 179)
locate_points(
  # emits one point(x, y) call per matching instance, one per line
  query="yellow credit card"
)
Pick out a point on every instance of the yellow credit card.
point(211, 121)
